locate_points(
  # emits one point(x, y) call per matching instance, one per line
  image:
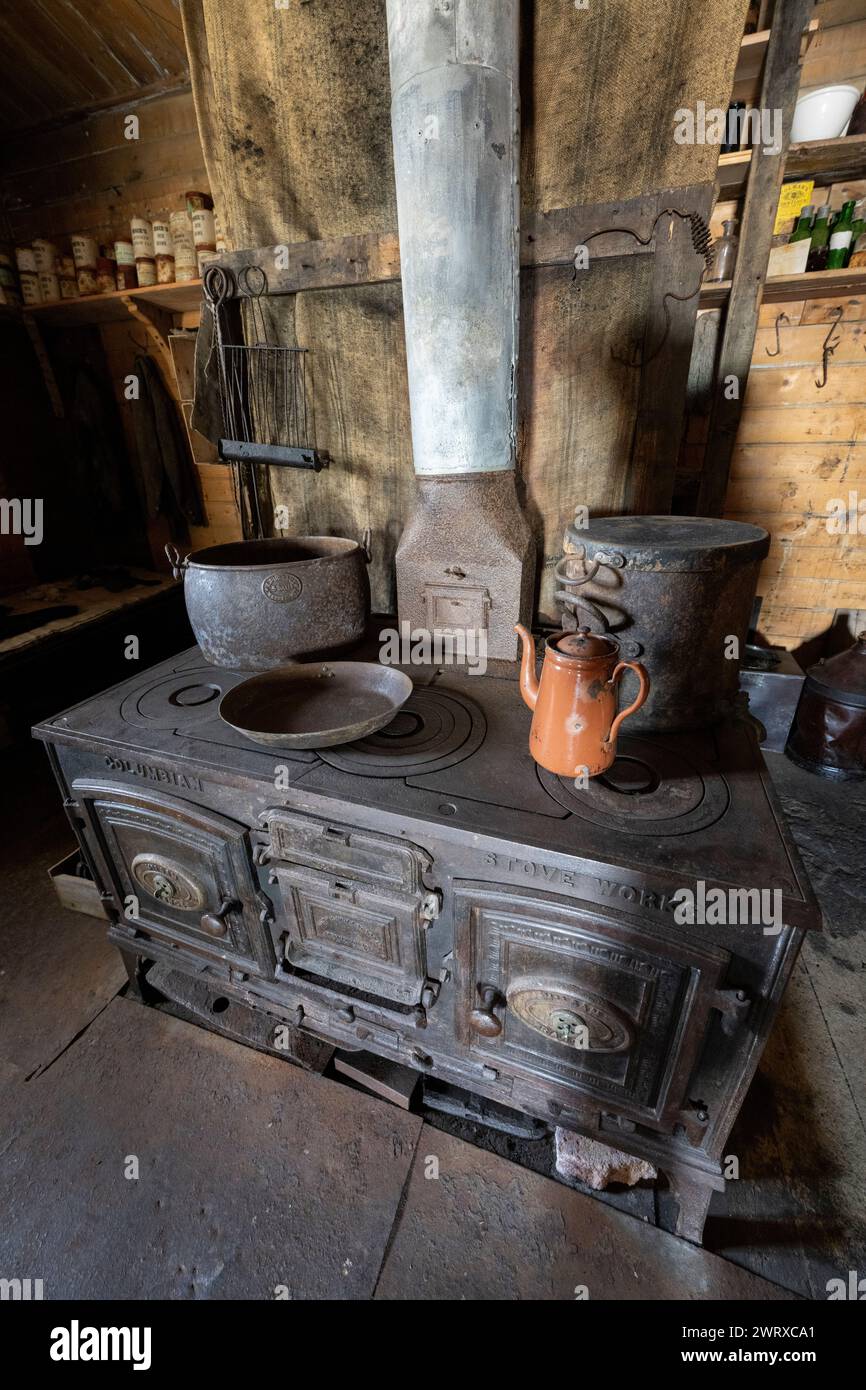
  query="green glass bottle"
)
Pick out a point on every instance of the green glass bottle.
point(820, 240)
point(859, 224)
point(803, 229)
point(840, 238)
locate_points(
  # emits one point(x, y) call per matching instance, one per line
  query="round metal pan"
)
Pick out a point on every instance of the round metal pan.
point(316, 705)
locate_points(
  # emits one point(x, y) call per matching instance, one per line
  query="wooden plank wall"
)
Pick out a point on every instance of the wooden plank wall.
point(85, 176)
point(799, 450)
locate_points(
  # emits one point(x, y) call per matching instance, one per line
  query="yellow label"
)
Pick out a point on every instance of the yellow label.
point(792, 199)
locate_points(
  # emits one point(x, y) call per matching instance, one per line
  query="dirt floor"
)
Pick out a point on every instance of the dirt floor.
point(253, 1175)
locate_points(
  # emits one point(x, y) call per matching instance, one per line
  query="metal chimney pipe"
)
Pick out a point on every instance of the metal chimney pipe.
point(455, 129)
point(465, 560)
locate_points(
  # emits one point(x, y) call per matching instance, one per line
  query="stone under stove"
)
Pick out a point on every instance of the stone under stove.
point(429, 895)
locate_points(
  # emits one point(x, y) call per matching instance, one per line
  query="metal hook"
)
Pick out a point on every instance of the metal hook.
point(779, 318)
point(828, 350)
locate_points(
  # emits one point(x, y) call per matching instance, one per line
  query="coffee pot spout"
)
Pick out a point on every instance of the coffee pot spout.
point(528, 678)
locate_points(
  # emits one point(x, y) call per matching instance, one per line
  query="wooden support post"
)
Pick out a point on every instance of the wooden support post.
point(778, 93)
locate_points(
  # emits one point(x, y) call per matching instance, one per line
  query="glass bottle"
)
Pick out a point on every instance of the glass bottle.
point(859, 224)
point(858, 255)
point(725, 248)
point(840, 238)
point(803, 229)
point(820, 240)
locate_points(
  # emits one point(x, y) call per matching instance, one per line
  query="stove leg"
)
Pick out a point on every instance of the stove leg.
point(136, 989)
point(693, 1199)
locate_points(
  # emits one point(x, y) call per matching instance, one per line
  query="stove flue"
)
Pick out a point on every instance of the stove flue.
point(466, 559)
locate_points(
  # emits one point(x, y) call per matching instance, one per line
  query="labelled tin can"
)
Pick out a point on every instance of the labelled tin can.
point(84, 253)
point(204, 258)
point(142, 238)
point(203, 229)
point(124, 254)
point(30, 291)
point(66, 268)
point(165, 270)
point(68, 287)
point(106, 275)
point(49, 286)
point(162, 241)
point(197, 200)
point(25, 259)
point(126, 276)
point(86, 280)
point(145, 267)
point(45, 254)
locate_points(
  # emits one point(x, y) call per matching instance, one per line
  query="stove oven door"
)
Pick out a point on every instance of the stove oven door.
point(179, 874)
point(586, 1008)
point(352, 907)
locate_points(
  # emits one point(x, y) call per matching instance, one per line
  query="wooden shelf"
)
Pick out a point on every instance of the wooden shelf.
point(817, 284)
point(108, 308)
point(825, 161)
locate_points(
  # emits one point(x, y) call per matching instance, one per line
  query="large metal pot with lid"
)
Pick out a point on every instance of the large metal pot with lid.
point(676, 592)
point(258, 604)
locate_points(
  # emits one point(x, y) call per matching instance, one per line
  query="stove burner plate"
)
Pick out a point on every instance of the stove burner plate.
point(649, 790)
point(181, 698)
point(435, 728)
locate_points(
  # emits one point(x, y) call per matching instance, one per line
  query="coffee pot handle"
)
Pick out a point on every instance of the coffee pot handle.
point(643, 690)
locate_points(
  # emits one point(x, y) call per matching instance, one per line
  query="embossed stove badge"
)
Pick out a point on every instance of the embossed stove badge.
point(565, 1015)
point(167, 882)
point(281, 588)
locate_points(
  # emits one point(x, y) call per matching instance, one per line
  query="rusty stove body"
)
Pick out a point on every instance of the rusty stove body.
point(431, 896)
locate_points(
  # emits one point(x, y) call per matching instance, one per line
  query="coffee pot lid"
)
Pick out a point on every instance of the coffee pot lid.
point(584, 643)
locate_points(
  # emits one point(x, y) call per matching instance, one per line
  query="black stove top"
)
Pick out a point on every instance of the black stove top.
point(695, 805)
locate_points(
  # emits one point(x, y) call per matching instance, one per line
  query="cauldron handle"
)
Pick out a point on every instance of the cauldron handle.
point(178, 565)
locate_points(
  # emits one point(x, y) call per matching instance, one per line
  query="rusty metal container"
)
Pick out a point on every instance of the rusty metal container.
point(829, 735)
point(257, 604)
point(676, 592)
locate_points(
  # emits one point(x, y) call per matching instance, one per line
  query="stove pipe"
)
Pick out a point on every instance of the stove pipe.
point(466, 558)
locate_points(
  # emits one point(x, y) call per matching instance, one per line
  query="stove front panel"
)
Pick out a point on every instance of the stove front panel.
point(352, 906)
point(580, 1003)
point(177, 873)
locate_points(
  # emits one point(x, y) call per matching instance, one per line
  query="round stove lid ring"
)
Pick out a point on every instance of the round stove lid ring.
point(450, 727)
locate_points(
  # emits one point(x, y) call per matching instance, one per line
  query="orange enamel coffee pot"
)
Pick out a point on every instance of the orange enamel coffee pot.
point(574, 721)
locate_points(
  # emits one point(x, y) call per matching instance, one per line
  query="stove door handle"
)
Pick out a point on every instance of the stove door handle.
point(213, 922)
point(482, 1019)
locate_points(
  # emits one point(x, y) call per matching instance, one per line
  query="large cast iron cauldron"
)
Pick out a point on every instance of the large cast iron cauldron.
point(673, 591)
point(258, 604)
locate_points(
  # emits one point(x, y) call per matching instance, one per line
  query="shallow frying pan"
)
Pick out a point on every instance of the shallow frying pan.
point(316, 705)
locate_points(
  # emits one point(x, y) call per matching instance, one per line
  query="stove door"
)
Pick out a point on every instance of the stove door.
point(352, 908)
point(178, 873)
point(582, 1003)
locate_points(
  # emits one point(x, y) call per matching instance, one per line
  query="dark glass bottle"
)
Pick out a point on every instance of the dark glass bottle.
point(820, 240)
point(840, 238)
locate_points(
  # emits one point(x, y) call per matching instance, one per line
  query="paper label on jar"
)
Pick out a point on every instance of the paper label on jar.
point(45, 253)
point(162, 242)
point(25, 258)
point(839, 240)
point(84, 252)
point(124, 253)
point(142, 237)
point(30, 291)
point(146, 271)
point(204, 234)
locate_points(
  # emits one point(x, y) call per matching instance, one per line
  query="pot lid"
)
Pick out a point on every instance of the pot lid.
point(843, 677)
point(585, 644)
point(672, 543)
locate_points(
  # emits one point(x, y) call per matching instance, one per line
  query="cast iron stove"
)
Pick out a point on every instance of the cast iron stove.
point(430, 895)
